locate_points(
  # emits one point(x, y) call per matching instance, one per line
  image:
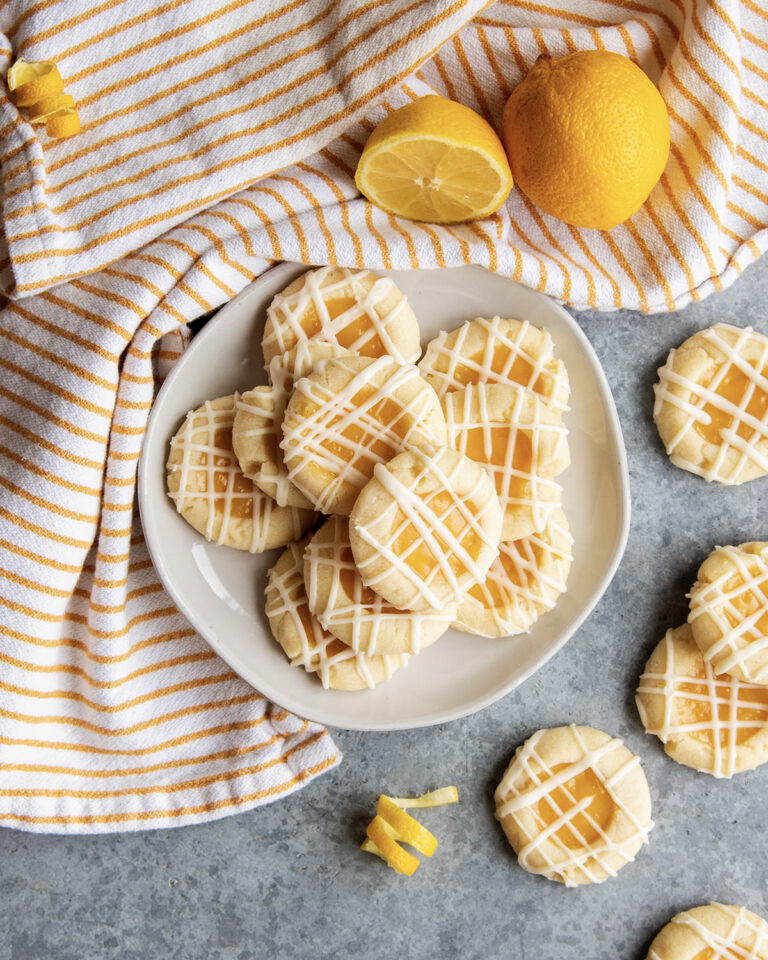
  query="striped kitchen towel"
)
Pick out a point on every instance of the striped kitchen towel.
point(218, 139)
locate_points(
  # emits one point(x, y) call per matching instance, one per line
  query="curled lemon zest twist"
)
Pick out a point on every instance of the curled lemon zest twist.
point(392, 826)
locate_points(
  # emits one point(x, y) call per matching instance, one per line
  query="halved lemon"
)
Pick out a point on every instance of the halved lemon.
point(435, 160)
point(33, 80)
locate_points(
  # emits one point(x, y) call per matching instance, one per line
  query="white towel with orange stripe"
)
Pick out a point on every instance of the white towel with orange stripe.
point(217, 139)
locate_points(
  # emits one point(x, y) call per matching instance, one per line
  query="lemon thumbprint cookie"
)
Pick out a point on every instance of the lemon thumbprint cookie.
point(357, 309)
point(711, 406)
point(716, 931)
point(520, 441)
point(257, 428)
point(715, 724)
point(426, 528)
point(348, 415)
point(353, 612)
point(212, 493)
point(303, 639)
point(497, 351)
point(729, 611)
point(574, 804)
point(524, 581)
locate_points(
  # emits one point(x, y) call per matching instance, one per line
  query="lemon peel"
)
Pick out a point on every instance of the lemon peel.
point(435, 160)
point(48, 107)
point(33, 80)
point(392, 826)
point(64, 124)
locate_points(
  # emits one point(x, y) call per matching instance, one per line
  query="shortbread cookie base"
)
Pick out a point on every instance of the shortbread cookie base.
point(212, 493)
point(715, 931)
point(715, 724)
point(574, 804)
point(729, 611)
point(303, 639)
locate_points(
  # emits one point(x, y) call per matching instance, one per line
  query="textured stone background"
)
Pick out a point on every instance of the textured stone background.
point(288, 881)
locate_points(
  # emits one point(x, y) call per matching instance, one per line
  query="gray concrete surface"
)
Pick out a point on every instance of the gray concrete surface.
point(288, 880)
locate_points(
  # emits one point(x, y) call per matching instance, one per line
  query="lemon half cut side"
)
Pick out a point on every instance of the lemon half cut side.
point(437, 161)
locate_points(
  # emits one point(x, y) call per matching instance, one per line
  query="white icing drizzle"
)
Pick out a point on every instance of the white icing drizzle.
point(745, 940)
point(524, 581)
point(438, 469)
point(320, 651)
point(677, 688)
point(744, 644)
point(524, 427)
point(363, 625)
point(208, 472)
point(547, 376)
point(286, 312)
point(511, 801)
point(318, 437)
point(751, 451)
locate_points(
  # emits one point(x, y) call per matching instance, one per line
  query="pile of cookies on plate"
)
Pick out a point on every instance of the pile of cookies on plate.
point(436, 482)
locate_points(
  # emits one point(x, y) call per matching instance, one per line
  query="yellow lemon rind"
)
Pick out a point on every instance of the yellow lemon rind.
point(45, 82)
point(407, 829)
point(435, 798)
point(49, 107)
point(400, 860)
point(64, 124)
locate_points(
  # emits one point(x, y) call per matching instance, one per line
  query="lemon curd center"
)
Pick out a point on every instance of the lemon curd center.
point(491, 446)
point(751, 709)
point(223, 460)
point(352, 585)
point(410, 546)
point(348, 336)
point(746, 599)
point(732, 388)
point(362, 446)
point(586, 827)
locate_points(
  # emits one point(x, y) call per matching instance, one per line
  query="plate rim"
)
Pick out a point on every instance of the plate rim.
point(434, 718)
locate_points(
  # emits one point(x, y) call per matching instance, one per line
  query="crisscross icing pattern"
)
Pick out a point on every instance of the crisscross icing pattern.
point(203, 470)
point(497, 351)
point(333, 438)
point(524, 581)
point(730, 411)
point(521, 451)
point(310, 646)
point(357, 309)
point(354, 612)
point(720, 712)
point(736, 602)
point(562, 851)
point(439, 534)
point(747, 937)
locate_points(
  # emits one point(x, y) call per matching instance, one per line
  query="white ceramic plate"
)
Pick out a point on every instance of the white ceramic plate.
point(221, 590)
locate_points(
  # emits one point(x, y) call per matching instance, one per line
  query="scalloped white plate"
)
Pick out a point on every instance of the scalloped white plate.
point(221, 590)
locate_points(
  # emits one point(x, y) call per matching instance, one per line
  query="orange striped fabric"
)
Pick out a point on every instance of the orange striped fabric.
point(218, 139)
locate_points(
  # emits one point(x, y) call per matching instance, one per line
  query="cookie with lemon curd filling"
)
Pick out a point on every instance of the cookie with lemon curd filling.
point(524, 581)
point(257, 428)
point(711, 405)
point(212, 493)
point(353, 612)
point(497, 351)
point(574, 804)
point(348, 415)
point(716, 931)
point(306, 643)
point(426, 528)
point(357, 309)
point(715, 724)
point(520, 441)
point(729, 611)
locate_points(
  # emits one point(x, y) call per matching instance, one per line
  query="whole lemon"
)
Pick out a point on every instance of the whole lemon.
point(587, 137)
